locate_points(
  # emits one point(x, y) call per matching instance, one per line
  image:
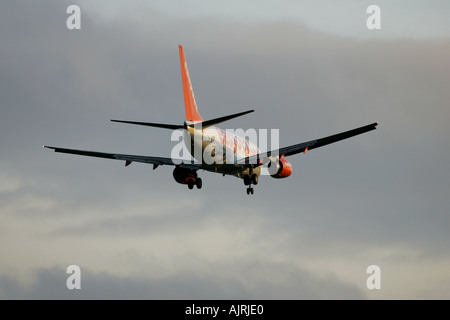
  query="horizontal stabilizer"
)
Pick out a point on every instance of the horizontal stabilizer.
point(149, 124)
point(209, 123)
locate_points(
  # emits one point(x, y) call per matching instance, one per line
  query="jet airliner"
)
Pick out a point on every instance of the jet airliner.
point(199, 134)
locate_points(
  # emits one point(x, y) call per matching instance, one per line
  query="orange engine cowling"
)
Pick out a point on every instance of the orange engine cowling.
point(283, 167)
point(183, 175)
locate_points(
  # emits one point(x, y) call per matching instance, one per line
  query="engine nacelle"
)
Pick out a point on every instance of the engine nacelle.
point(183, 175)
point(283, 167)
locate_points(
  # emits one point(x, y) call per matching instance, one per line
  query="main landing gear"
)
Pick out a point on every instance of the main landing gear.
point(249, 180)
point(197, 182)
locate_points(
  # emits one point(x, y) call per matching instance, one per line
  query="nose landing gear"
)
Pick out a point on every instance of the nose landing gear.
point(249, 180)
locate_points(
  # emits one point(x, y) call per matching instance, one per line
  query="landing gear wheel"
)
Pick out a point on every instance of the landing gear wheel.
point(247, 180)
point(191, 184)
point(254, 179)
point(249, 190)
point(198, 183)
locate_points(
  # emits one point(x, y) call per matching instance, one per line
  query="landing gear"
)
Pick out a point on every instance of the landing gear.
point(253, 179)
point(249, 180)
point(198, 183)
point(195, 182)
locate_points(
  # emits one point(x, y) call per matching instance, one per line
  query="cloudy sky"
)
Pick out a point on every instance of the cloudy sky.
point(309, 68)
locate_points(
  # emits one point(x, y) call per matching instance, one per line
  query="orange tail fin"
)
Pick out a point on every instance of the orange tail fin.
point(190, 105)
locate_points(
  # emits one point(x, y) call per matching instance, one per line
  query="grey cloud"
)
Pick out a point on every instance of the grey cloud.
point(50, 283)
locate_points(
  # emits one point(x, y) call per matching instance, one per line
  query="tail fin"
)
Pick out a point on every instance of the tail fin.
point(190, 105)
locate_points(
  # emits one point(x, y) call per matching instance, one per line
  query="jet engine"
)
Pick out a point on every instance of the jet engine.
point(187, 176)
point(283, 169)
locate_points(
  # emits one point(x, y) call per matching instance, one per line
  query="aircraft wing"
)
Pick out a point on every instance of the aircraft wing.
point(309, 145)
point(129, 158)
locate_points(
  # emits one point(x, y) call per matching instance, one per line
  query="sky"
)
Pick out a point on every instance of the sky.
point(308, 68)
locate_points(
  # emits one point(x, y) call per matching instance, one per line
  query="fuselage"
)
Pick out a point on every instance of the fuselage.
point(218, 150)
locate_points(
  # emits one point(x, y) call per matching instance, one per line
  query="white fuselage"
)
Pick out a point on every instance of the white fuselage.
point(217, 149)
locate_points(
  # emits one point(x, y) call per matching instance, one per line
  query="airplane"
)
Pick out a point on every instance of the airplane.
point(240, 158)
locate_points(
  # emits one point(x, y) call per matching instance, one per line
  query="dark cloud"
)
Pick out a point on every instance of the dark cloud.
point(50, 283)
